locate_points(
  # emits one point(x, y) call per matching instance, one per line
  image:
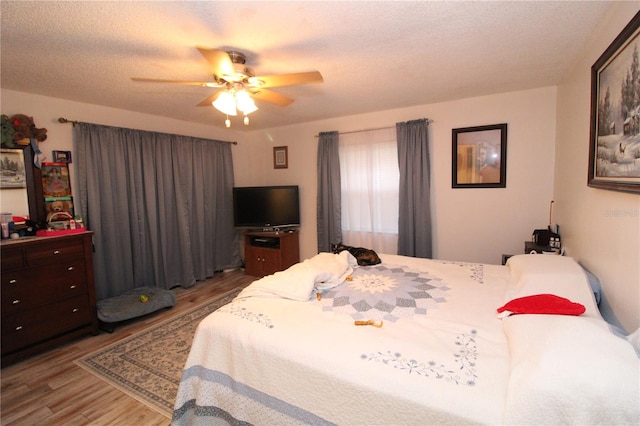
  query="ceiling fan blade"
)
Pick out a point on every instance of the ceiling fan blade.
point(270, 96)
point(219, 61)
point(279, 80)
point(209, 100)
point(190, 83)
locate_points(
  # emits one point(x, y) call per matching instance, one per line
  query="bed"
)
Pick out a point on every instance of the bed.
point(433, 348)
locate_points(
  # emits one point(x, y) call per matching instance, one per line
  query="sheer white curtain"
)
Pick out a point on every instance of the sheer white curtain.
point(369, 189)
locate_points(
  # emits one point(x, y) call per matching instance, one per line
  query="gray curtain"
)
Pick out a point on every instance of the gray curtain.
point(160, 206)
point(414, 224)
point(329, 210)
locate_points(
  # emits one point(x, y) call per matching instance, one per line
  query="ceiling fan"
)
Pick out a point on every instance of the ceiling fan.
point(240, 84)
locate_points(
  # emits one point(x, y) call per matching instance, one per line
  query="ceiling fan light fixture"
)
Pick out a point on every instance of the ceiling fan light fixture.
point(239, 74)
point(225, 103)
point(231, 74)
point(255, 82)
point(245, 103)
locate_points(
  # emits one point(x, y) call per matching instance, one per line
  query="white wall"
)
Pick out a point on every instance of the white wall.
point(601, 228)
point(476, 225)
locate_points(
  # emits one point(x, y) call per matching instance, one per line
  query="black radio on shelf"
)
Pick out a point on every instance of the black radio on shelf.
point(270, 242)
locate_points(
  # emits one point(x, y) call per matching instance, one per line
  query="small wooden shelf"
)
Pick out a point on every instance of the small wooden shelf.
point(266, 253)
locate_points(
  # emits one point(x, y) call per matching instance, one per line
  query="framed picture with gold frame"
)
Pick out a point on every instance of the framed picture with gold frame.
point(280, 157)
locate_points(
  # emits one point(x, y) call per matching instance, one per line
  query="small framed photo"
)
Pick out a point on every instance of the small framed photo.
point(614, 146)
point(61, 156)
point(280, 157)
point(479, 157)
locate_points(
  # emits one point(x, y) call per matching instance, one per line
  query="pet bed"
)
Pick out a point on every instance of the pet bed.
point(130, 305)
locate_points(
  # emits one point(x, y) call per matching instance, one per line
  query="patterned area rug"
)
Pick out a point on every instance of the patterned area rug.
point(148, 365)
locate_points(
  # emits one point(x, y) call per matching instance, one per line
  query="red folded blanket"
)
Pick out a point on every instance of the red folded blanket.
point(543, 304)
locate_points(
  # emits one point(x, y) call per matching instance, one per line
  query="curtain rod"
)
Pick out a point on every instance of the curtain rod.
point(369, 130)
point(64, 120)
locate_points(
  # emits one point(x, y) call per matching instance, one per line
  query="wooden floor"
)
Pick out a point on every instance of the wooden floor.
point(49, 389)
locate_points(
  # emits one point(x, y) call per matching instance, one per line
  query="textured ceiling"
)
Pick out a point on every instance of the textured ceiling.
point(373, 55)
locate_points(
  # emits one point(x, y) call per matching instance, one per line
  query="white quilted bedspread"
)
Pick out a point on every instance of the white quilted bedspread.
point(269, 360)
point(278, 354)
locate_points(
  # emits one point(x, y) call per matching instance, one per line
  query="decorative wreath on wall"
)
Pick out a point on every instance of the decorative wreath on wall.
point(20, 129)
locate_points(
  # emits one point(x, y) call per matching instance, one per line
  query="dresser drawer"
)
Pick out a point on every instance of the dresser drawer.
point(19, 292)
point(33, 325)
point(11, 259)
point(36, 286)
point(54, 252)
point(67, 278)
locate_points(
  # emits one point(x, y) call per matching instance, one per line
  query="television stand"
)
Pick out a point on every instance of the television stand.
point(266, 253)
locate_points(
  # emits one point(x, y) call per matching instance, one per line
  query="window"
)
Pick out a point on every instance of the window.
point(369, 187)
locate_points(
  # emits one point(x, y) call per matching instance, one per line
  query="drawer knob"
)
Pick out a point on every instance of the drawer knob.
point(13, 281)
point(70, 268)
point(15, 302)
point(18, 328)
point(72, 286)
point(75, 310)
point(56, 252)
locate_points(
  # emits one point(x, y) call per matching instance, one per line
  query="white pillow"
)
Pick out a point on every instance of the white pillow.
point(550, 274)
point(569, 370)
point(634, 339)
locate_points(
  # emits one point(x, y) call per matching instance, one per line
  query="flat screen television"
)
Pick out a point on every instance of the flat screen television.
point(266, 207)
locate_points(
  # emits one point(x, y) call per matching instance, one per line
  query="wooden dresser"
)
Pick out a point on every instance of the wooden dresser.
point(48, 294)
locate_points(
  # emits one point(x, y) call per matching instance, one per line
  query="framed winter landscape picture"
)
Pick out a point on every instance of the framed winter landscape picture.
point(614, 154)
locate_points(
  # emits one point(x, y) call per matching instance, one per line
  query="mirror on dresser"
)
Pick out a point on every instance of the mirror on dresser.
point(13, 199)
